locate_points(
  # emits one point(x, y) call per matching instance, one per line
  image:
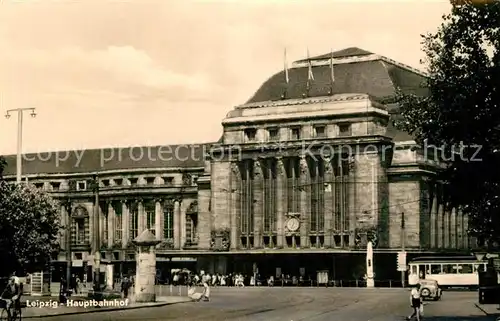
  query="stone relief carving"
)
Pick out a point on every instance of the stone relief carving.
point(186, 179)
point(257, 169)
point(365, 235)
point(303, 166)
point(220, 240)
point(193, 208)
point(235, 170)
point(280, 167)
point(328, 166)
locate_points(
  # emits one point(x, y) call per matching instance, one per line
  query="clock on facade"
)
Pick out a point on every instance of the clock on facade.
point(293, 224)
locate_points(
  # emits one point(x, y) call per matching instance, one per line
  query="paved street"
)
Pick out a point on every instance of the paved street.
point(300, 304)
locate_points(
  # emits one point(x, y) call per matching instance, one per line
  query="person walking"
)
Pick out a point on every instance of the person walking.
point(416, 302)
point(125, 286)
point(206, 288)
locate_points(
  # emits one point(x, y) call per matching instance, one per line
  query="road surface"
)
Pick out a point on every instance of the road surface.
point(300, 304)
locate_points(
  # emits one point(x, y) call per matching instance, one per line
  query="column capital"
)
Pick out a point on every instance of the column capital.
point(158, 200)
point(124, 201)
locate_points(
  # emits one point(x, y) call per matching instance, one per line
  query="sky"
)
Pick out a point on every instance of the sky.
point(110, 73)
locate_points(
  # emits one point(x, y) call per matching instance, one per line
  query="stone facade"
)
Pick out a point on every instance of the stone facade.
point(322, 171)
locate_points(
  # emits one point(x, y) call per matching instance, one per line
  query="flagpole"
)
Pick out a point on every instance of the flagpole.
point(287, 79)
point(332, 75)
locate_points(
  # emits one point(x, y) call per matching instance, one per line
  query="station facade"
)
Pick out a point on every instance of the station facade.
point(305, 174)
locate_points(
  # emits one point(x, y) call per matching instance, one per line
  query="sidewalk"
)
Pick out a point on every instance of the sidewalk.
point(39, 307)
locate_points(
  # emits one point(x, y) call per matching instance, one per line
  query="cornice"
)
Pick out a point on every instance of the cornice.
point(111, 173)
point(312, 100)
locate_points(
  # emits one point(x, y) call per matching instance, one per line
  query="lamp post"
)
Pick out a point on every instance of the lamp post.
point(20, 112)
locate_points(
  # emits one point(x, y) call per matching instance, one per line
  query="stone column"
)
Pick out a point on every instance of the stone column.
point(64, 230)
point(280, 202)
point(235, 205)
point(145, 278)
point(440, 221)
point(329, 204)
point(453, 228)
point(183, 226)
point(125, 224)
point(433, 219)
point(141, 226)
point(258, 204)
point(460, 234)
point(304, 188)
point(158, 219)
point(466, 238)
point(111, 224)
point(354, 195)
point(102, 226)
point(446, 224)
point(177, 224)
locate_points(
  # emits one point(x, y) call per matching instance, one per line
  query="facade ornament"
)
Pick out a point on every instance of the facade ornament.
point(280, 166)
point(303, 166)
point(80, 211)
point(351, 162)
point(220, 240)
point(186, 179)
point(235, 170)
point(257, 168)
point(328, 165)
point(193, 208)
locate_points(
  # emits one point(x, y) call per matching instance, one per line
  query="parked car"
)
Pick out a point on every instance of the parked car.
point(430, 290)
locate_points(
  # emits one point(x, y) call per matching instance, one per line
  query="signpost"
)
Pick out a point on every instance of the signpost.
point(402, 266)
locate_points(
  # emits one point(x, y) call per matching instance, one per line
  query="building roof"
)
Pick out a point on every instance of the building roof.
point(146, 238)
point(106, 159)
point(372, 74)
point(355, 71)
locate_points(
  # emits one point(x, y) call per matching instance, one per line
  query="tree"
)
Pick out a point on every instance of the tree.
point(3, 164)
point(461, 113)
point(29, 225)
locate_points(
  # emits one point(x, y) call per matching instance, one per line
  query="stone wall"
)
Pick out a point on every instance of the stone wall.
point(220, 185)
point(404, 197)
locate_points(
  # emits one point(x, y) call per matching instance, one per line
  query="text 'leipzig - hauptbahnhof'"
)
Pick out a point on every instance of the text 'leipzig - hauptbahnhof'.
point(305, 174)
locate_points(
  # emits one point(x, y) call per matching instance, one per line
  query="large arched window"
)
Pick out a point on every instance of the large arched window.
point(80, 226)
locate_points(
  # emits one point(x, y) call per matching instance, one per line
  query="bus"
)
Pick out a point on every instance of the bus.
point(451, 271)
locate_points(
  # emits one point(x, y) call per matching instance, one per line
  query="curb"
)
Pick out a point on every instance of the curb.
point(100, 310)
point(482, 310)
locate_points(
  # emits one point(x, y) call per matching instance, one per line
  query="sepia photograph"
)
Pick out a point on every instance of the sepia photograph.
point(240, 160)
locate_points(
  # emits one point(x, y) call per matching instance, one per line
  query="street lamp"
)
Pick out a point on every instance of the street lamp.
point(20, 112)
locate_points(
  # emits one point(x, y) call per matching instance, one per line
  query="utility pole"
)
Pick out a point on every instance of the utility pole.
point(19, 161)
point(97, 237)
point(403, 241)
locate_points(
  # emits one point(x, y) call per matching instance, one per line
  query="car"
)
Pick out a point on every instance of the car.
point(430, 290)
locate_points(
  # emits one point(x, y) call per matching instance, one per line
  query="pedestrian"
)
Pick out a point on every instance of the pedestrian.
point(73, 286)
point(125, 286)
point(416, 302)
point(63, 291)
point(206, 289)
